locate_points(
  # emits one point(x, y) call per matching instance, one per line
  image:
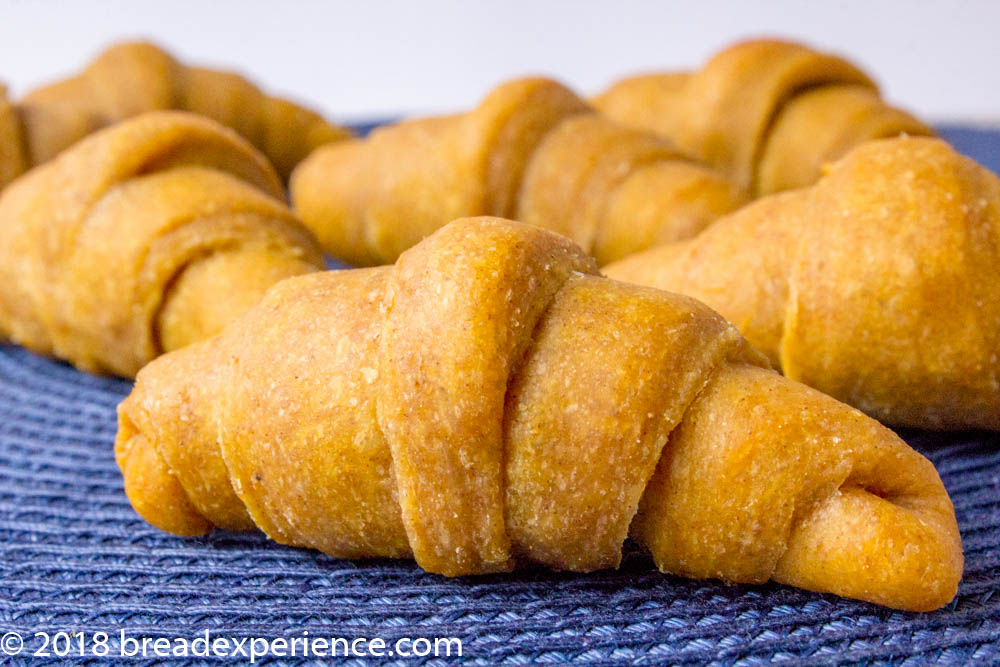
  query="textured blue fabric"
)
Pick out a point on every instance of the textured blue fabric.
point(73, 556)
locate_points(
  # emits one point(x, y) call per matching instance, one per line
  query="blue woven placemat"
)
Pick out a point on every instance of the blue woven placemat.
point(75, 558)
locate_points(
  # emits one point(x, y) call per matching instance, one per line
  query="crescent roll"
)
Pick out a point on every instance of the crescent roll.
point(142, 238)
point(131, 78)
point(532, 150)
point(490, 399)
point(768, 113)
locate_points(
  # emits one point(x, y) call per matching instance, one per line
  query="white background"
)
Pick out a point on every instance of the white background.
point(363, 59)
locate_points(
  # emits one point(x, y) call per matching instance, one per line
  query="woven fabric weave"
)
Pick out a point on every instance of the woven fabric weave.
point(74, 557)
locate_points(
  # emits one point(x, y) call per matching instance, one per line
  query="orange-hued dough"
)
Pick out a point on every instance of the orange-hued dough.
point(491, 400)
point(13, 161)
point(768, 113)
point(872, 286)
point(131, 78)
point(531, 150)
point(142, 238)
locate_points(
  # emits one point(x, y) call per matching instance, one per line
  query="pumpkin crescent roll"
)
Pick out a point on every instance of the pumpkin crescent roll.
point(768, 113)
point(532, 150)
point(142, 238)
point(131, 78)
point(490, 399)
point(874, 286)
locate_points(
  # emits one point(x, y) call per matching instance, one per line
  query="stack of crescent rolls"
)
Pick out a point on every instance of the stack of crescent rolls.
point(686, 311)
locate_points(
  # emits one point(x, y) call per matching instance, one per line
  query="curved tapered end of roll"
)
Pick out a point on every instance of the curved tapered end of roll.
point(328, 191)
point(152, 489)
point(291, 133)
point(816, 495)
point(897, 551)
point(174, 475)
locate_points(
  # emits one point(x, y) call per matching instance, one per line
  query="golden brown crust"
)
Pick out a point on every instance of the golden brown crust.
point(576, 169)
point(132, 78)
point(532, 149)
point(98, 243)
point(485, 399)
point(513, 119)
point(819, 126)
point(492, 282)
point(201, 498)
point(13, 161)
point(867, 286)
point(816, 488)
point(768, 113)
point(646, 101)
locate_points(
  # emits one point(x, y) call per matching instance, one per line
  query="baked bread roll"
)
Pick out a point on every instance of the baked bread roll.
point(491, 399)
point(872, 286)
point(135, 77)
point(532, 150)
point(768, 113)
point(142, 238)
